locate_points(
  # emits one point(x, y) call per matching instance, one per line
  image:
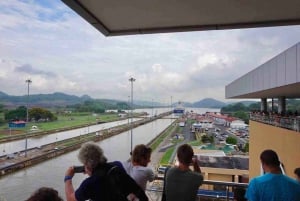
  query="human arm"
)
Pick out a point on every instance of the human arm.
point(151, 175)
point(69, 189)
point(196, 165)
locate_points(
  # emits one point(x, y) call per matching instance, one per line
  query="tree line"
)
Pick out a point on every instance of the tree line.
point(43, 114)
point(239, 110)
point(34, 114)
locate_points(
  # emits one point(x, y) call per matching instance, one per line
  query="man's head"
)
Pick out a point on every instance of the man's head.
point(297, 173)
point(269, 158)
point(185, 154)
point(141, 155)
point(91, 155)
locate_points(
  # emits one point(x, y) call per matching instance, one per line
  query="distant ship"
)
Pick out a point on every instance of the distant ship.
point(179, 110)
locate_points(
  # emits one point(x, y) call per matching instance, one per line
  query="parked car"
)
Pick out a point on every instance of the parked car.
point(162, 169)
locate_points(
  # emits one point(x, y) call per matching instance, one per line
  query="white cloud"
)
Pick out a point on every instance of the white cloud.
point(61, 52)
point(206, 59)
point(157, 68)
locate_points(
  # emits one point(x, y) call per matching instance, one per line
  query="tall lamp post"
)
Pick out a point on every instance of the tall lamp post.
point(28, 81)
point(128, 109)
point(171, 104)
point(131, 80)
point(152, 108)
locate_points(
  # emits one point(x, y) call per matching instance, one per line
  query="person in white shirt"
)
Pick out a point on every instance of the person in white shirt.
point(137, 167)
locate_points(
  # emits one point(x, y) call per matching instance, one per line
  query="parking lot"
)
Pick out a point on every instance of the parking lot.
point(220, 133)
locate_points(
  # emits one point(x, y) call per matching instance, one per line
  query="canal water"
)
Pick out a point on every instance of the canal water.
point(19, 145)
point(32, 142)
point(19, 185)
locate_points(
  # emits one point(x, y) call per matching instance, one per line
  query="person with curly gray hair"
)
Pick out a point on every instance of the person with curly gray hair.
point(91, 155)
point(106, 181)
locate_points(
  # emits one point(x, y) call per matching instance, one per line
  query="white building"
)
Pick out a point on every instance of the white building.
point(238, 124)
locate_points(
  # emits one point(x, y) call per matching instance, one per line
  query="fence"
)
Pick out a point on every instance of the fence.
point(291, 123)
point(208, 191)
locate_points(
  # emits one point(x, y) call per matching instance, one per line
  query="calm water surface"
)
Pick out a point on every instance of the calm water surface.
point(18, 186)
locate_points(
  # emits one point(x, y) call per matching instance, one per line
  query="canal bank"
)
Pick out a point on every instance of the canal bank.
point(20, 184)
point(37, 133)
point(23, 159)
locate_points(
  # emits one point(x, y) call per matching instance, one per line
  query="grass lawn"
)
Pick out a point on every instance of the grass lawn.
point(167, 132)
point(195, 143)
point(65, 121)
point(166, 157)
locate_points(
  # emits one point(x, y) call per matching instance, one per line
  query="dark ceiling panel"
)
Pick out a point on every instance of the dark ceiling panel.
point(113, 18)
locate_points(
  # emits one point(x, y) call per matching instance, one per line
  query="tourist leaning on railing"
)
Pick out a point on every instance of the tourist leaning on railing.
point(106, 181)
point(137, 166)
point(182, 184)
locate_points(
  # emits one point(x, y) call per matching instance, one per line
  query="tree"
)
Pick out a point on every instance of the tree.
point(205, 139)
point(1, 107)
point(18, 114)
point(239, 107)
point(1, 110)
point(231, 140)
point(41, 114)
point(254, 106)
point(242, 115)
point(246, 147)
point(211, 139)
point(122, 106)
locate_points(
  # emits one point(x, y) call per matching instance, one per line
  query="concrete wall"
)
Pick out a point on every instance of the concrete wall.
point(220, 174)
point(284, 142)
point(283, 69)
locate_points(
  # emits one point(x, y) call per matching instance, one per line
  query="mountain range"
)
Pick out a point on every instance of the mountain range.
point(59, 99)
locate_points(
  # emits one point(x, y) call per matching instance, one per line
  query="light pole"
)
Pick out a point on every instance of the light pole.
point(152, 109)
point(171, 103)
point(128, 109)
point(131, 80)
point(28, 81)
point(171, 109)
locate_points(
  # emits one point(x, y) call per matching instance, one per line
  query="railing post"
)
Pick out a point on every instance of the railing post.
point(227, 192)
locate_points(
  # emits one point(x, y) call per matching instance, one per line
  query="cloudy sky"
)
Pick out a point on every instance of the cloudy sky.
point(60, 52)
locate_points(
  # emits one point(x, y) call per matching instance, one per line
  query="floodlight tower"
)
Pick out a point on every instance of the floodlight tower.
point(131, 80)
point(28, 81)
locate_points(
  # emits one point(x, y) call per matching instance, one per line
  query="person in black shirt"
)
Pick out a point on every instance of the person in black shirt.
point(106, 181)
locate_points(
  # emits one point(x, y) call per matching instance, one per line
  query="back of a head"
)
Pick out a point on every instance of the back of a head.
point(91, 155)
point(141, 152)
point(297, 172)
point(185, 154)
point(45, 194)
point(270, 158)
